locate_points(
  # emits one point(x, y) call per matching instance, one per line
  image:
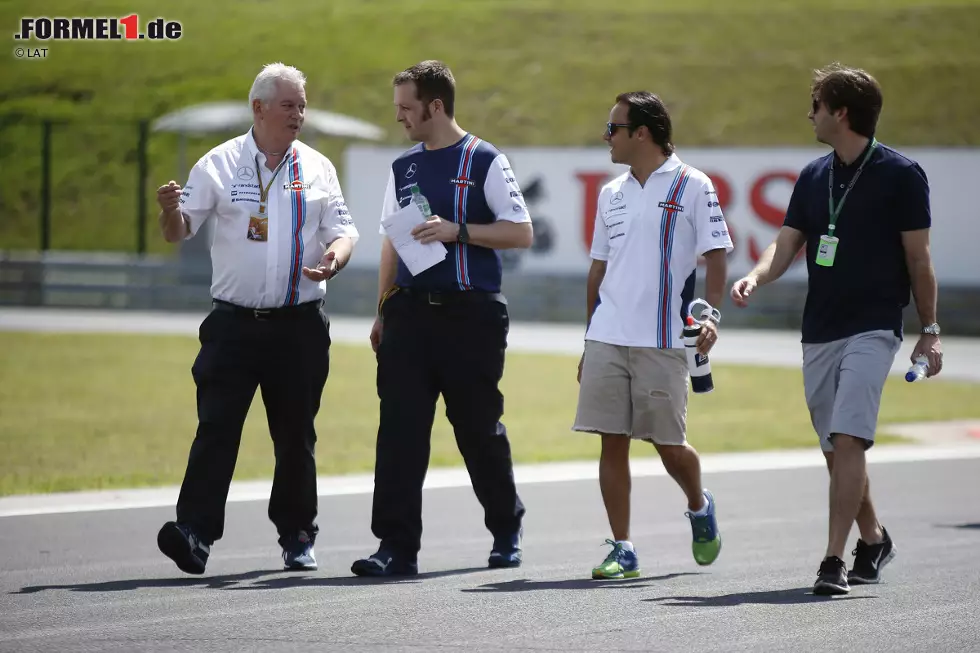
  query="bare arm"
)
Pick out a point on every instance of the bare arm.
point(388, 269)
point(386, 281)
point(597, 272)
point(342, 249)
point(715, 276)
point(778, 256)
point(921, 273)
point(772, 264)
point(501, 234)
point(913, 221)
point(173, 225)
point(925, 290)
point(334, 259)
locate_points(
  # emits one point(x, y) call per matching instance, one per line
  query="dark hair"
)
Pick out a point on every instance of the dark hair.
point(647, 110)
point(840, 87)
point(433, 81)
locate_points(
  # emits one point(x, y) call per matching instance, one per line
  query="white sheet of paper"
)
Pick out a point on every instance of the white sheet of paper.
point(417, 256)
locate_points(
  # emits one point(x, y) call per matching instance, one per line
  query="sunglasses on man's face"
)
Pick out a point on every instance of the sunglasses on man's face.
point(613, 127)
point(816, 106)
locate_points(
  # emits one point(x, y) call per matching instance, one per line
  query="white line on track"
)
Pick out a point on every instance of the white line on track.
point(73, 502)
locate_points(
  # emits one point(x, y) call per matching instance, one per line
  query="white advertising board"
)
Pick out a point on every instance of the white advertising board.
point(754, 186)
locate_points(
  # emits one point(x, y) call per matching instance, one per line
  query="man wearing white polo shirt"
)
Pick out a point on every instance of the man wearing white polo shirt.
point(652, 223)
point(280, 229)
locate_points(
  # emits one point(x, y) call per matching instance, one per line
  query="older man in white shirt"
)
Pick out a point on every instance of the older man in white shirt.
point(281, 229)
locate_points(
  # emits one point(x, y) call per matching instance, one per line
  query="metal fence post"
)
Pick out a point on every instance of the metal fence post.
point(142, 173)
point(45, 185)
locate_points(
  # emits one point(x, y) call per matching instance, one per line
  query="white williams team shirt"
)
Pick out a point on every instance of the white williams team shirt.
point(651, 237)
point(306, 212)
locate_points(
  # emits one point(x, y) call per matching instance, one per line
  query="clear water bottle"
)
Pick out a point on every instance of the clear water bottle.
point(698, 364)
point(420, 201)
point(917, 371)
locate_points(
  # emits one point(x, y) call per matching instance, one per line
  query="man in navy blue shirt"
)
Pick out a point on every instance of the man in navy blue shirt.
point(444, 330)
point(863, 213)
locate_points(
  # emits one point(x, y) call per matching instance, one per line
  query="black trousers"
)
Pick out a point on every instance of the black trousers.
point(456, 349)
point(287, 356)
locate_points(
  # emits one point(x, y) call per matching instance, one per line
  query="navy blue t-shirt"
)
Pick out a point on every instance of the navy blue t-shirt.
point(868, 285)
point(468, 182)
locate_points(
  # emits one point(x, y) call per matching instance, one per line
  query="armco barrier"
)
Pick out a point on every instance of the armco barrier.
point(169, 284)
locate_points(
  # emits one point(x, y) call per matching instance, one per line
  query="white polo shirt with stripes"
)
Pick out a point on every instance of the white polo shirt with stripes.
point(306, 212)
point(651, 237)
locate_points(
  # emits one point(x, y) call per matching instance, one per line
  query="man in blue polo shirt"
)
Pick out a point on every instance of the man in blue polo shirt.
point(444, 331)
point(863, 213)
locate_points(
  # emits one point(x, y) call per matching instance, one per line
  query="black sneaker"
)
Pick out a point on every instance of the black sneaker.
point(832, 578)
point(385, 563)
point(870, 559)
point(182, 545)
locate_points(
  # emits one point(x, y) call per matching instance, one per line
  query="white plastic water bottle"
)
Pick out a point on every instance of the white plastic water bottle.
point(420, 201)
point(917, 371)
point(698, 364)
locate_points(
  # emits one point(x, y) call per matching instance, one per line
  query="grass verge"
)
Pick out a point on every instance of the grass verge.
point(107, 411)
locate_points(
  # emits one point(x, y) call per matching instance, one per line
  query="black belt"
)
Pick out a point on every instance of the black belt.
point(447, 298)
point(268, 313)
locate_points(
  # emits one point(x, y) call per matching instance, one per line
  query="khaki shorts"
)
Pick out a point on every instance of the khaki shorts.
point(640, 392)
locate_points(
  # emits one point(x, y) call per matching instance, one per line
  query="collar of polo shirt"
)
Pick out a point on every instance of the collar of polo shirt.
point(672, 163)
point(255, 150)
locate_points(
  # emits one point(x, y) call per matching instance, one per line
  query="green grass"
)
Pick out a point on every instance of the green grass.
point(529, 72)
point(100, 411)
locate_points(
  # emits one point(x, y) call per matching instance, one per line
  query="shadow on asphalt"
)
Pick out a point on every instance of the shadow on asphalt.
point(974, 526)
point(771, 597)
point(208, 582)
point(281, 579)
point(527, 585)
point(290, 579)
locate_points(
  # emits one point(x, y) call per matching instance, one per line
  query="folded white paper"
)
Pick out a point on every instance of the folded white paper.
point(416, 256)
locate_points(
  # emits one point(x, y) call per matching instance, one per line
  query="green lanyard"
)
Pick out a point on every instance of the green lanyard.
point(264, 190)
point(834, 213)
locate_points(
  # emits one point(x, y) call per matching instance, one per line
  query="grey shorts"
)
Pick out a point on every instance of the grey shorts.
point(640, 392)
point(843, 381)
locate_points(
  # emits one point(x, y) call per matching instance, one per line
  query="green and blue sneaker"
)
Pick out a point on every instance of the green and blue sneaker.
point(707, 540)
point(620, 563)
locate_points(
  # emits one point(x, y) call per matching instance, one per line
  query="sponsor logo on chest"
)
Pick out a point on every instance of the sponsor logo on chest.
point(671, 206)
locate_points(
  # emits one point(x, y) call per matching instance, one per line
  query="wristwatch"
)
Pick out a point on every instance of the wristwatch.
point(931, 330)
point(464, 235)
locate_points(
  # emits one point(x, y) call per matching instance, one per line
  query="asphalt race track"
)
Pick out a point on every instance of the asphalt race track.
point(94, 581)
point(76, 576)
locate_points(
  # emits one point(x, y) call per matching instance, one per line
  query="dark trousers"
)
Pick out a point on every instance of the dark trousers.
point(288, 358)
point(457, 350)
